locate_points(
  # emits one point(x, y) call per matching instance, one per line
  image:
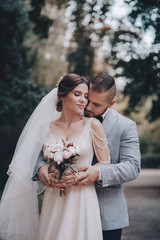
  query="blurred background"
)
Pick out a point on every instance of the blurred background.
point(40, 41)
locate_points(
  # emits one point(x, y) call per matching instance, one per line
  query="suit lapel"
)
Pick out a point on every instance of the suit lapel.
point(110, 120)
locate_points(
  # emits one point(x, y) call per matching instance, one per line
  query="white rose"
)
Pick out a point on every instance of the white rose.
point(52, 148)
point(66, 154)
point(78, 150)
point(46, 152)
point(72, 150)
point(58, 157)
point(50, 155)
point(59, 146)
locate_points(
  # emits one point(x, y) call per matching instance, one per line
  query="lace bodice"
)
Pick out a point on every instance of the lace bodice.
point(83, 140)
point(88, 141)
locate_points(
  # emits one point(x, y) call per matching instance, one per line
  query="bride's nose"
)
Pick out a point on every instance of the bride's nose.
point(82, 99)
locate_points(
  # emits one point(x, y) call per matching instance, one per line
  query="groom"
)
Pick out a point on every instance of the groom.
point(123, 143)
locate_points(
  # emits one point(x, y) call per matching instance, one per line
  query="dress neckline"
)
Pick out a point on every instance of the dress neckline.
point(73, 138)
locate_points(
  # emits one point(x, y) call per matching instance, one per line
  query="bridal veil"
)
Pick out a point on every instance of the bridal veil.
point(19, 205)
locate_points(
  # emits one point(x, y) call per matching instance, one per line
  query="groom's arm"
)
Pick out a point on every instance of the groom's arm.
point(128, 166)
point(41, 171)
point(40, 162)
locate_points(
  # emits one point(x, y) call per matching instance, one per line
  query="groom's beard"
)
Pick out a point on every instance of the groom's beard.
point(88, 113)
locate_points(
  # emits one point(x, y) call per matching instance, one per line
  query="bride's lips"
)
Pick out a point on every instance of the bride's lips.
point(80, 105)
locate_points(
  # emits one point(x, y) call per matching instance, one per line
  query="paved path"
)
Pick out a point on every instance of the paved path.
point(143, 198)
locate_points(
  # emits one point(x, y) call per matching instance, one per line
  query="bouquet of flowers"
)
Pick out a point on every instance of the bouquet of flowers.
point(61, 154)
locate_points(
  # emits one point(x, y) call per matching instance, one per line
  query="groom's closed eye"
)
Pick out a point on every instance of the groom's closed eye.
point(97, 105)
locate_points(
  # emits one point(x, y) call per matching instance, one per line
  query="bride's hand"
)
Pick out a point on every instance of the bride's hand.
point(48, 179)
point(68, 178)
point(53, 178)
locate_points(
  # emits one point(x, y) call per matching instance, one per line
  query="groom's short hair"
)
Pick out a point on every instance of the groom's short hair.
point(102, 83)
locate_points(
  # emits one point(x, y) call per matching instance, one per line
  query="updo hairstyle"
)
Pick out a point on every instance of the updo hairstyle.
point(66, 85)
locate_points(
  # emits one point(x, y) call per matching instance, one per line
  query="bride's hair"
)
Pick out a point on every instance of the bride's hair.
point(66, 85)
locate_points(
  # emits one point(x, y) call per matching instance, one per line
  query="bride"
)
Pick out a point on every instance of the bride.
point(75, 215)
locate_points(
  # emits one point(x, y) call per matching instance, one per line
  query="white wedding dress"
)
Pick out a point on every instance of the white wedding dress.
point(76, 215)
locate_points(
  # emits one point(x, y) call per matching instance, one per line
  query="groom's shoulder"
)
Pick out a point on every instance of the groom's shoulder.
point(122, 119)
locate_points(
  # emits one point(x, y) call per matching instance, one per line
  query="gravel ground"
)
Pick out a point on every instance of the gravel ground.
point(143, 198)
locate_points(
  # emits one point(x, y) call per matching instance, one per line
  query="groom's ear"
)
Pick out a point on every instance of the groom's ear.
point(111, 103)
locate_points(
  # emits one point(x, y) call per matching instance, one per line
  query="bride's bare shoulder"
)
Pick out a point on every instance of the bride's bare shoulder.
point(84, 119)
point(54, 123)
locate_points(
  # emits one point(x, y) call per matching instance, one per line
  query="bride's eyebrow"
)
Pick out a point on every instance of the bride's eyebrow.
point(77, 91)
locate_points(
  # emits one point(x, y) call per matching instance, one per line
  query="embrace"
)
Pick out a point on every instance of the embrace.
point(93, 150)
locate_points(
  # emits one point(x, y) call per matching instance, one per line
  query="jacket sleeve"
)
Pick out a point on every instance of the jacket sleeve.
point(40, 162)
point(128, 166)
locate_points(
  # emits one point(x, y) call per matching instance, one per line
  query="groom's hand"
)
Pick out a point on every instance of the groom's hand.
point(89, 175)
point(43, 175)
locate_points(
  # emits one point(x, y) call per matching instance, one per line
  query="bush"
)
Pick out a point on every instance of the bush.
point(150, 160)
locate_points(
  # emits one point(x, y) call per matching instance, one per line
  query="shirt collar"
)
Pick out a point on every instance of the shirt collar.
point(105, 113)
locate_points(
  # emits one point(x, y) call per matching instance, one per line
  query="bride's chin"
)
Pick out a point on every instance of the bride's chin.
point(79, 111)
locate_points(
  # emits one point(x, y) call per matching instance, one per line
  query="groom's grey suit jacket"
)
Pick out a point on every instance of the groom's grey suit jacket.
point(123, 144)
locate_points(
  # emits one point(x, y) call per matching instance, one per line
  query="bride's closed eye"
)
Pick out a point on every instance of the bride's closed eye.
point(77, 95)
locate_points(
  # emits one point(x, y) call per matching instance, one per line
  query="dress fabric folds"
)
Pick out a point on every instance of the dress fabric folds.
point(76, 215)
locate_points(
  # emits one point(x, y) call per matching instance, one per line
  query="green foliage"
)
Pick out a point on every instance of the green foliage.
point(142, 70)
point(84, 16)
point(81, 60)
point(144, 82)
point(150, 160)
point(144, 145)
point(150, 147)
point(20, 100)
point(18, 93)
point(41, 23)
point(9, 136)
point(13, 25)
